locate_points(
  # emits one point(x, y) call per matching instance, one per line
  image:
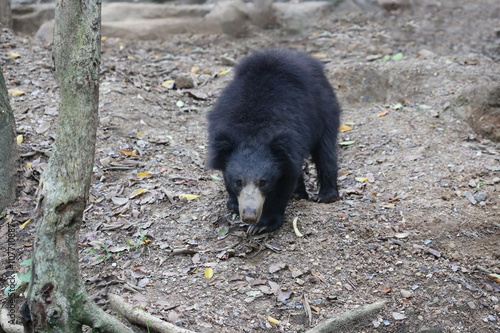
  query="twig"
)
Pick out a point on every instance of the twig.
point(307, 308)
point(139, 317)
point(345, 321)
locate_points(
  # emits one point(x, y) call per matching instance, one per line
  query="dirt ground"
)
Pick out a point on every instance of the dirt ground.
point(406, 230)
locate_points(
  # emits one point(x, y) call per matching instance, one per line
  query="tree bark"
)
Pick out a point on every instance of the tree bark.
point(8, 148)
point(5, 13)
point(57, 300)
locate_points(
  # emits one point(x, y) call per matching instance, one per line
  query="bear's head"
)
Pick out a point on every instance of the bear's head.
point(252, 170)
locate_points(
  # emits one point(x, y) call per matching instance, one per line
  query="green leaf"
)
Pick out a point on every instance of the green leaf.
point(398, 56)
point(346, 143)
point(27, 262)
point(25, 277)
point(215, 177)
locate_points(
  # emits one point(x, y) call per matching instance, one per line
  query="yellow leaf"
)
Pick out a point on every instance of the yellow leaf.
point(195, 69)
point(494, 277)
point(15, 92)
point(129, 152)
point(168, 84)
point(104, 38)
point(209, 273)
point(139, 133)
point(224, 71)
point(361, 179)
point(137, 193)
point(383, 113)
point(295, 229)
point(319, 55)
point(20, 139)
point(22, 226)
point(344, 128)
point(188, 197)
point(145, 174)
point(14, 55)
point(273, 320)
point(29, 165)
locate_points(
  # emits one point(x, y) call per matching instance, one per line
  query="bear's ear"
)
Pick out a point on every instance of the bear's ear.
point(281, 146)
point(219, 151)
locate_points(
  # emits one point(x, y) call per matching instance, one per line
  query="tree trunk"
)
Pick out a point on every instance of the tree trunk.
point(7, 148)
point(57, 299)
point(5, 13)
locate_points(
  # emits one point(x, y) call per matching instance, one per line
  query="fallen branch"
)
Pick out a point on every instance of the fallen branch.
point(140, 317)
point(6, 326)
point(345, 321)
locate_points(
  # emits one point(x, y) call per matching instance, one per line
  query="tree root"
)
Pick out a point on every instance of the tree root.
point(347, 320)
point(142, 318)
point(6, 326)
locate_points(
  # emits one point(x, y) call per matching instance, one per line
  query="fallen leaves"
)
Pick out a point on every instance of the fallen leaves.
point(15, 92)
point(209, 273)
point(345, 128)
point(295, 229)
point(188, 197)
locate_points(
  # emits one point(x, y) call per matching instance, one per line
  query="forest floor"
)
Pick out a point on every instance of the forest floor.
point(418, 224)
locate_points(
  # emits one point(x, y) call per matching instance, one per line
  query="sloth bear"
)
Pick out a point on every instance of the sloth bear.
point(277, 111)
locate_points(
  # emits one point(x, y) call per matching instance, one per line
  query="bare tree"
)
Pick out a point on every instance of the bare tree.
point(57, 300)
point(7, 148)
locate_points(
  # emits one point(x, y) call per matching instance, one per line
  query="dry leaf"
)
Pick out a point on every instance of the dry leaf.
point(344, 128)
point(169, 84)
point(224, 71)
point(22, 226)
point(129, 152)
point(13, 55)
point(145, 174)
point(188, 197)
point(494, 277)
point(209, 273)
point(295, 229)
point(15, 92)
point(383, 113)
point(137, 193)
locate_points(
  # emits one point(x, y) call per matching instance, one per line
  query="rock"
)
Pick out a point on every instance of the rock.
point(391, 5)
point(295, 18)
point(46, 32)
point(480, 107)
point(27, 19)
point(185, 82)
point(232, 17)
point(227, 61)
point(481, 196)
point(469, 196)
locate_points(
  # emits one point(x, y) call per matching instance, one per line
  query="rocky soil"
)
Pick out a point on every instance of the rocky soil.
point(419, 221)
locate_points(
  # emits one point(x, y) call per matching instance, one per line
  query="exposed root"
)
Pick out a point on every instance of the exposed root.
point(142, 318)
point(346, 321)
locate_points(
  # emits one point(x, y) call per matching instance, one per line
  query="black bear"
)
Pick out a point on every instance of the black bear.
point(277, 111)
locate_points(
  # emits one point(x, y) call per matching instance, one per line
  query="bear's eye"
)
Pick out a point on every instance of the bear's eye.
point(239, 183)
point(262, 183)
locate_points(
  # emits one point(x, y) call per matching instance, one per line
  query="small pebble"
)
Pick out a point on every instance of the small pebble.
point(492, 318)
point(481, 196)
point(469, 196)
point(471, 305)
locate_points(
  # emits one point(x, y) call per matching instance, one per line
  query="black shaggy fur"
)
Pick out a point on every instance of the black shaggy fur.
point(278, 110)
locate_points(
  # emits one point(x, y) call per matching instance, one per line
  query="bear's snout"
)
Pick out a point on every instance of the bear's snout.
point(251, 201)
point(249, 215)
